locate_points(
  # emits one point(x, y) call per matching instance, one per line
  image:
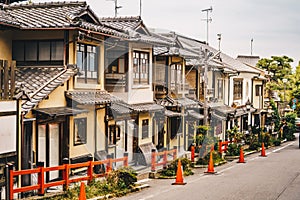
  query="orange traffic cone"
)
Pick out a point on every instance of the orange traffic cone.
point(210, 169)
point(82, 195)
point(263, 152)
point(179, 176)
point(241, 159)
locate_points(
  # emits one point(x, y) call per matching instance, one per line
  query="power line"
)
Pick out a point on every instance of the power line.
point(207, 21)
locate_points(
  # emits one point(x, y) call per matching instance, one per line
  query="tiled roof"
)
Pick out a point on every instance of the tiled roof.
point(46, 15)
point(91, 97)
point(60, 111)
point(185, 53)
point(185, 102)
point(39, 82)
point(102, 29)
point(62, 15)
point(131, 22)
point(228, 61)
point(129, 25)
point(7, 20)
point(250, 60)
point(144, 107)
point(120, 108)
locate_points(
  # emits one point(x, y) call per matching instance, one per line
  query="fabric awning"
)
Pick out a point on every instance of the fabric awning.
point(60, 111)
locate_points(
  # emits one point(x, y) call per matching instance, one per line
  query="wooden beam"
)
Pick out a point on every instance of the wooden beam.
point(6, 79)
point(1, 78)
point(12, 79)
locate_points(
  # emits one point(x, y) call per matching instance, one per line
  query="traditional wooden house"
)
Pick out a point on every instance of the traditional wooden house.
point(128, 75)
point(59, 54)
point(182, 111)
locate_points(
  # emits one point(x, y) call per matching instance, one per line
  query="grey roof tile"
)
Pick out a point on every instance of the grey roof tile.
point(39, 82)
point(91, 97)
point(64, 15)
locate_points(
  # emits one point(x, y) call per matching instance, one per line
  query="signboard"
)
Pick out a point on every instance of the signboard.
point(8, 124)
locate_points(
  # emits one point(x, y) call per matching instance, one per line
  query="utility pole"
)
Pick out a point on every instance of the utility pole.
point(205, 80)
point(207, 21)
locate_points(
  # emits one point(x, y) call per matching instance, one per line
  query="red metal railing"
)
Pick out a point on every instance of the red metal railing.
point(66, 179)
point(164, 161)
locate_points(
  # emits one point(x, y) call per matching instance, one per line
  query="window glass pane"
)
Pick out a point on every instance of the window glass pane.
point(31, 51)
point(80, 131)
point(18, 50)
point(57, 50)
point(44, 51)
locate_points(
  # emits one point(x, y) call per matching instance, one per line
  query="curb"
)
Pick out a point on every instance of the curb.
point(135, 189)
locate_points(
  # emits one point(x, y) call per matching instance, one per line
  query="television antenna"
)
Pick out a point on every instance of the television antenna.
point(116, 7)
point(207, 21)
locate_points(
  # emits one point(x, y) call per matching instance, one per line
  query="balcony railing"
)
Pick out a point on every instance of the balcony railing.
point(115, 82)
point(7, 79)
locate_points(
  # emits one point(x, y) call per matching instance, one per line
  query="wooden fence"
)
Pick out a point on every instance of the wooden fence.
point(7, 79)
point(164, 155)
point(66, 179)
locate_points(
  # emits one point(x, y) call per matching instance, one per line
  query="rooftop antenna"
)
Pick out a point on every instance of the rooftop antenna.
point(141, 8)
point(219, 35)
point(116, 7)
point(207, 21)
point(251, 46)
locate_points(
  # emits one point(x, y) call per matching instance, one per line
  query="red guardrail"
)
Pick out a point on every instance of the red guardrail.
point(223, 146)
point(65, 168)
point(164, 153)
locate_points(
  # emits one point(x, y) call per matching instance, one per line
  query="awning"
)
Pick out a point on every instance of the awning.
point(120, 108)
point(146, 107)
point(195, 115)
point(60, 111)
point(170, 113)
point(91, 97)
point(214, 115)
point(186, 102)
point(224, 109)
point(243, 111)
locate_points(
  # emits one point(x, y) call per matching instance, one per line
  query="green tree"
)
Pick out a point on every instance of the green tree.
point(295, 93)
point(279, 68)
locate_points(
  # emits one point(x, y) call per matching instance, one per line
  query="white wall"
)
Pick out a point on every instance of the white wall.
point(8, 130)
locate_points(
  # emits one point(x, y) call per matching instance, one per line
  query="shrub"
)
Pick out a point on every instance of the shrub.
point(233, 149)
point(172, 168)
point(277, 142)
point(217, 158)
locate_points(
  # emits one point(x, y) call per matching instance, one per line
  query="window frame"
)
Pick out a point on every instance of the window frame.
point(258, 90)
point(114, 132)
point(80, 138)
point(145, 128)
point(36, 60)
point(237, 89)
point(84, 67)
point(138, 68)
point(220, 88)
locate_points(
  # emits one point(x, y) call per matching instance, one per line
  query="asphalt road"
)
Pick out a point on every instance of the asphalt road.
point(276, 176)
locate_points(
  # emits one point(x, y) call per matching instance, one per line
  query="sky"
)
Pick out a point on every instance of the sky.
point(274, 25)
